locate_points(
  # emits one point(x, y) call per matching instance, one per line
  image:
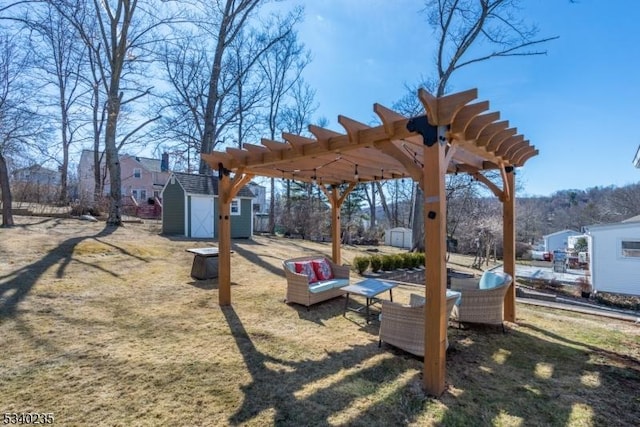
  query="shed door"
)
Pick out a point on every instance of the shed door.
point(201, 217)
point(397, 238)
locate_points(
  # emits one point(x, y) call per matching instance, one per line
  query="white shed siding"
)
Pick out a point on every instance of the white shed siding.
point(610, 271)
point(399, 237)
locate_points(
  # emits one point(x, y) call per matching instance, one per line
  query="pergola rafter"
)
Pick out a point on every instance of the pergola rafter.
point(454, 136)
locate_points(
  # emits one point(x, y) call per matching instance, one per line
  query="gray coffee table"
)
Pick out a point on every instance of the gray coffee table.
point(370, 289)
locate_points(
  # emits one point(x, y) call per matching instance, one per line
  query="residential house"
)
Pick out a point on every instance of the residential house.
point(141, 178)
point(260, 208)
point(614, 254)
point(35, 184)
point(191, 207)
point(37, 174)
point(558, 241)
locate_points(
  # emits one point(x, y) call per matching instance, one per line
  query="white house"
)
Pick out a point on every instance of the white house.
point(614, 253)
point(558, 241)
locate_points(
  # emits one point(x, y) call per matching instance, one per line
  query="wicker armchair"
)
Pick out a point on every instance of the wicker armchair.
point(482, 305)
point(300, 291)
point(402, 325)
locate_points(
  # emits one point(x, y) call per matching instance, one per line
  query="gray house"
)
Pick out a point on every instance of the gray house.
point(190, 208)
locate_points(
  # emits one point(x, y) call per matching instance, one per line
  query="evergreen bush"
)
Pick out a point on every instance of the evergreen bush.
point(361, 263)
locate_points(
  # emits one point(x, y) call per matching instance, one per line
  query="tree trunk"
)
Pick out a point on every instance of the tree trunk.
point(7, 214)
point(272, 207)
point(113, 163)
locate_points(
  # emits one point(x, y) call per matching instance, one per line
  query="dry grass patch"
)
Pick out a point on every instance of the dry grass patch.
point(105, 326)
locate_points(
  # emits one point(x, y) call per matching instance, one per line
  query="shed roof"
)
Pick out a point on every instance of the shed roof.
point(204, 184)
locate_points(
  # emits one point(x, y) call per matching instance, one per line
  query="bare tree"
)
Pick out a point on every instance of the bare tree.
point(224, 22)
point(281, 67)
point(493, 28)
point(21, 128)
point(58, 55)
point(120, 35)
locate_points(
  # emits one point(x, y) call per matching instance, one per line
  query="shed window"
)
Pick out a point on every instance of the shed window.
point(235, 207)
point(631, 248)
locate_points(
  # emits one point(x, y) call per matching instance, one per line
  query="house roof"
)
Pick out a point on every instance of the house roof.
point(204, 184)
point(629, 222)
point(152, 165)
point(599, 227)
point(557, 233)
point(633, 219)
point(37, 168)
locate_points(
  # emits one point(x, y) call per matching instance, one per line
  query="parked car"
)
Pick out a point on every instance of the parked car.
point(541, 255)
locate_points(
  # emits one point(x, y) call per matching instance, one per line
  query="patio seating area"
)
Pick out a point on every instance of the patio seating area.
point(305, 287)
point(482, 301)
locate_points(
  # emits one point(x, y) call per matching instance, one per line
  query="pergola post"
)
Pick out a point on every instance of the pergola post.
point(227, 189)
point(224, 239)
point(335, 226)
point(433, 181)
point(509, 244)
point(336, 200)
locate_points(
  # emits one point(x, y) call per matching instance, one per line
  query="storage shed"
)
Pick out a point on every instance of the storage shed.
point(399, 237)
point(190, 208)
point(614, 253)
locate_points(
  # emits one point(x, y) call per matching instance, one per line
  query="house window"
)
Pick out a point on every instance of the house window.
point(235, 207)
point(134, 194)
point(137, 173)
point(143, 195)
point(631, 249)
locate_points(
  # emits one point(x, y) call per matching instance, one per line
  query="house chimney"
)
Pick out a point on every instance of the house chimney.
point(164, 164)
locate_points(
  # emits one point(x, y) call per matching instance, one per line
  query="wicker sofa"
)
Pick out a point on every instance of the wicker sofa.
point(402, 325)
point(301, 290)
point(482, 301)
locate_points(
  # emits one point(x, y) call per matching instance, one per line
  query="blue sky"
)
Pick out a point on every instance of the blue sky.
point(579, 104)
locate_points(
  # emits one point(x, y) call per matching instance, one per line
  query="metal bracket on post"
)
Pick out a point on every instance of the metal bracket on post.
point(222, 171)
point(421, 125)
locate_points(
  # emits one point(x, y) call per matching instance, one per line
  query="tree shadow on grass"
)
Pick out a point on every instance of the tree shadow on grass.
point(258, 260)
point(15, 286)
point(288, 389)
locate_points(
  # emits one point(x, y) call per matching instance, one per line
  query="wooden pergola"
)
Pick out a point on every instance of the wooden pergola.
point(455, 135)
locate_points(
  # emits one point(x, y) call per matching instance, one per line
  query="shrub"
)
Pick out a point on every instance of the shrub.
point(398, 261)
point(361, 263)
point(388, 262)
point(418, 259)
point(407, 260)
point(376, 263)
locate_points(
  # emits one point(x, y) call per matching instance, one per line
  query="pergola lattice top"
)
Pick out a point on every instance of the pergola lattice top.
point(477, 140)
